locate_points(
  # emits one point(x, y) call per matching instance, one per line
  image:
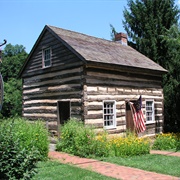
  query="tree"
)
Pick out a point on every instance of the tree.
point(12, 105)
point(11, 50)
point(12, 61)
point(172, 80)
point(113, 32)
point(145, 22)
point(13, 58)
point(149, 24)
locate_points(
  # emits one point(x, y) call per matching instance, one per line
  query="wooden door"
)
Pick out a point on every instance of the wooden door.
point(129, 119)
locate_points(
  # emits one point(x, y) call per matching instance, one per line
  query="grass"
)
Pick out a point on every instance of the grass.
point(52, 170)
point(156, 163)
point(172, 150)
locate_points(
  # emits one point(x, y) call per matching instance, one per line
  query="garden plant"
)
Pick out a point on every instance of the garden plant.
point(22, 145)
point(82, 140)
point(167, 141)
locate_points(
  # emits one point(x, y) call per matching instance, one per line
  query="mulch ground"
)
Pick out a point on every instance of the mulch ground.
point(112, 170)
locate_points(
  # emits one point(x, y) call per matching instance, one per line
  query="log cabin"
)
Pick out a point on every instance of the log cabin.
point(72, 75)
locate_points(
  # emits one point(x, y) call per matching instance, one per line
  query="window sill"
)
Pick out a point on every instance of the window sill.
point(109, 128)
point(46, 67)
point(150, 122)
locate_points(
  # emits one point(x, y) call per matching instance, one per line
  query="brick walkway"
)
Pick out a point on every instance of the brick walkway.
point(108, 169)
point(166, 153)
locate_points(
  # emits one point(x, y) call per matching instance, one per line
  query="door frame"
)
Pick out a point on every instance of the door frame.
point(129, 118)
point(59, 121)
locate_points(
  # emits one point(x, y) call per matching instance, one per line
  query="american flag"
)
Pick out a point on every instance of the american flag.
point(138, 117)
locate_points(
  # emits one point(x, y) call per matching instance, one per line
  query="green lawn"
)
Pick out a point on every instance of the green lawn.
point(157, 163)
point(52, 170)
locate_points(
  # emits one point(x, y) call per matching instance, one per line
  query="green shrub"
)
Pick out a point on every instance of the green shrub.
point(29, 135)
point(178, 142)
point(80, 140)
point(67, 135)
point(102, 145)
point(129, 146)
point(15, 162)
point(166, 141)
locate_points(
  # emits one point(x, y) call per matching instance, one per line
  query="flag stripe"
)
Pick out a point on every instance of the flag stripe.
point(138, 119)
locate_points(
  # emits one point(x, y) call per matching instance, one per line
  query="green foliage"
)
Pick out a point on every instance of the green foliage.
point(80, 140)
point(29, 135)
point(113, 32)
point(152, 28)
point(11, 50)
point(166, 141)
point(16, 161)
point(101, 144)
point(129, 146)
point(12, 61)
point(172, 81)
point(146, 21)
point(68, 133)
point(12, 105)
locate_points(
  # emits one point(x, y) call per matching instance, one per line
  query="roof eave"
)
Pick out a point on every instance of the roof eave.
point(124, 68)
point(31, 52)
point(37, 42)
point(67, 45)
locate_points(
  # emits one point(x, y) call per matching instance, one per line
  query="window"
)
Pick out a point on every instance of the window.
point(109, 114)
point(47, 57)
point(149, 111)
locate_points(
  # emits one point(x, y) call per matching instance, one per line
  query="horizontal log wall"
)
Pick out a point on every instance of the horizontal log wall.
point(44, 87)
point(67, 79)
point(108, 86)
point(61, 57)
point(40, 96)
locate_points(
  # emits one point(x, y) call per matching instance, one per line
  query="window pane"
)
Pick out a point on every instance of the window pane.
point(47, 54)
point(47, 63)
point(46, 57)
point(149, 119)
point(109, 113)
point(149, 111)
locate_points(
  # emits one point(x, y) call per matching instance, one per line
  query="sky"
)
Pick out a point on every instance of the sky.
point(23, 20)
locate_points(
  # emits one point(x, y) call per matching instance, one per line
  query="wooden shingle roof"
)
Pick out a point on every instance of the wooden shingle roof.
point(104, 51)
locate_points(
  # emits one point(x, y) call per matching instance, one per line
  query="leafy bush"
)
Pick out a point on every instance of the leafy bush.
point(16, 162)
point(68, 133)
point(102, 148)
point(167, 141)
point(80, 140)
point(29, 135)
point(22, 144)
point(129, 146)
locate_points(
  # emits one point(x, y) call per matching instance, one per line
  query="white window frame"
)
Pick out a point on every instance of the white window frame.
point(151, 111)
point(109, 112)
point(46, 59)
